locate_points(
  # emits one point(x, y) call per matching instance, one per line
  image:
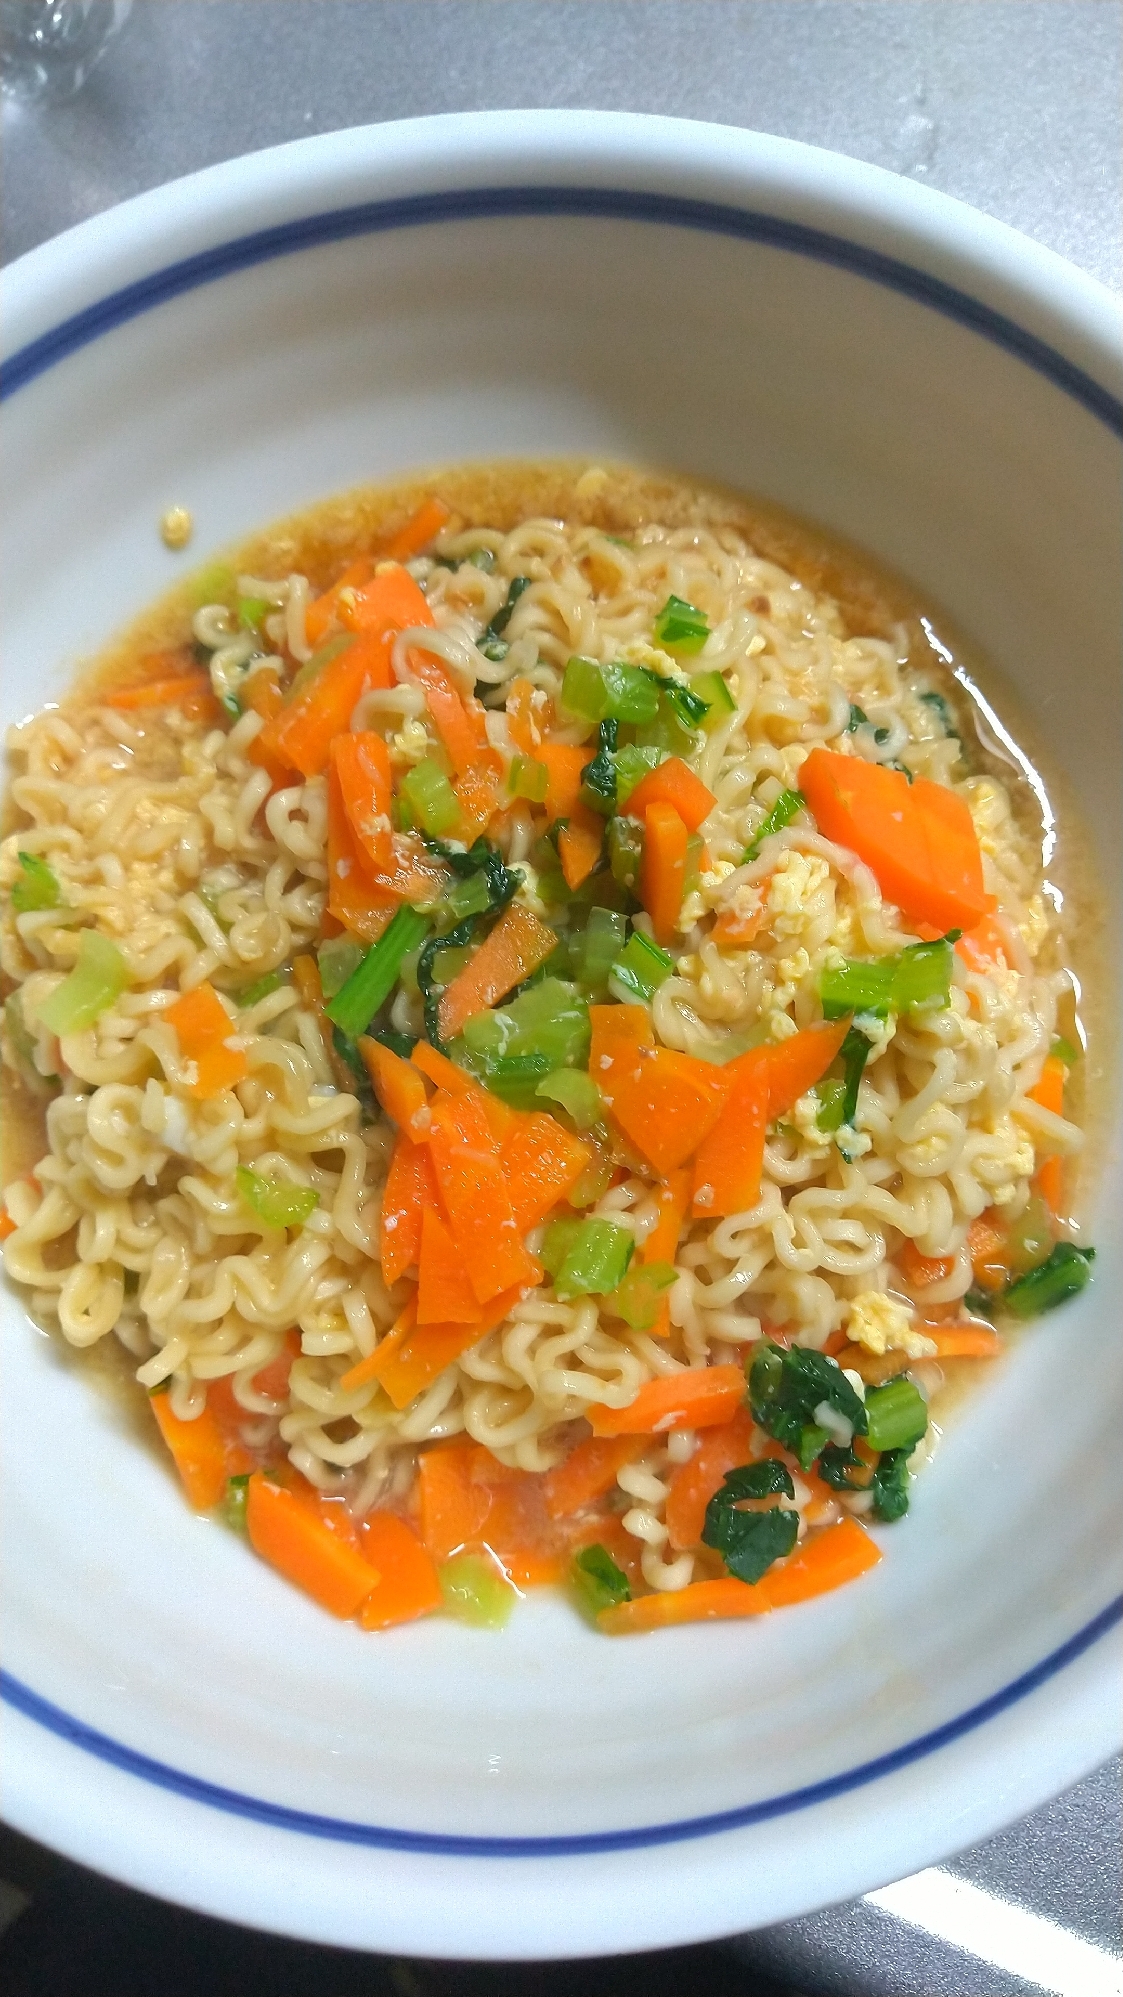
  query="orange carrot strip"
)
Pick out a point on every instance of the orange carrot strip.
point(460, 723)
point(525, 720)
point(1050, 1182)
point(479, 791)
point(666, 1103)
point(354, 899)
point(262, 694)
point(391, 601)
point(421, 528)
point(204, 1029)
point(589, 1472)
point(701, 1601)
point(917, 839)
point(698, 1397)
point(397, 1084)
point(663, 868)
point(795, 1065)
point(288, 1532)
point(920, 1271)
point(541, 1163)
point(736, 932)
point(410, 1360)
point(965, 1341)
point(369, 1368)
point(471, 1502)
point(579, 845)
point(693, 1484)
point(444, 1294)
point(301, 734)
point(617, 1031)
point(453, 1508)
point(411, 1187)
point(158, 693)
point(1049, 1090)
point(488, 1250)
point(727, 1164)
point(982, 947)
point(440, 1069)
point(7, 1225)
point(407, 1577)
point(322, 613)
point(362, 764)
point(673, 783)
point(661, 1244)
point(516, 946)
point(989, 1248)
point(281, 774)
point(199, 1450)
point(564, 762)
point(825, 1561)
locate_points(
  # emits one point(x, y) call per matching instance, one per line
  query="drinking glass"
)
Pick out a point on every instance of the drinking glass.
point(48, 47)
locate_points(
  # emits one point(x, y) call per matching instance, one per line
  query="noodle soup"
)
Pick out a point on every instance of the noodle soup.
point(535, 1021)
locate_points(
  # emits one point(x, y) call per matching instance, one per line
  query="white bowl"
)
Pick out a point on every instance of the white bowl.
point(877, 358)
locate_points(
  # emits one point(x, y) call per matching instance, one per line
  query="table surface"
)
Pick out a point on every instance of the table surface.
point(1012, 105)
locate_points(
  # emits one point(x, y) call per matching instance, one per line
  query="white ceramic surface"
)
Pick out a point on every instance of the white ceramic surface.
point(980, 463)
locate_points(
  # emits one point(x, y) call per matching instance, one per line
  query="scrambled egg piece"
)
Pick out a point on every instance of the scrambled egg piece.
point(639, 653)
point(797, 879)
point(410, 745)
point(882, 1325)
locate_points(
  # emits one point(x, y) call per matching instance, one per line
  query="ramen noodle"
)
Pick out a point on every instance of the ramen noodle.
point(549, 1039)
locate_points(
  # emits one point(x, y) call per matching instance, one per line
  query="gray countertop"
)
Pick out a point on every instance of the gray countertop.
point(1012, 105)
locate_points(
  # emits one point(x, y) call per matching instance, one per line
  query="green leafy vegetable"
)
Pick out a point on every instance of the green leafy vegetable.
point(1062, 1276)
point(261, 988)
point(641, 967)
point(596, 1580)
point(713, 691)
point(99, 976)
point(275, 1201)
point(338, 959)
point(841, 1468)
point(235, 1502)
point(890, 1486)
point(598, 778)
point(749, 1542)
point(474, 1591)
point(430, 797)
point(787, 1388)
point(858, 719)
point(781, 814)
point(368, 988)
point(639, 1298)
point(577, 1093)
point(36, 887)
point(896, 1415)
point(490, 641)
point(586, 1258)
point(680, 626)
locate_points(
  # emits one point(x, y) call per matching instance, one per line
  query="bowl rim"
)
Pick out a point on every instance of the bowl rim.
point(964, 265)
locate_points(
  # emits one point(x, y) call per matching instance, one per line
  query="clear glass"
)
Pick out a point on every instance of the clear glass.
point(48, 47)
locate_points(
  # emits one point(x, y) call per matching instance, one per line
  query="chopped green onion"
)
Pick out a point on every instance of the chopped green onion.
point(598, 778)
point(339, 958)
point(313, 667)
point(37, 886)
point(368, 988)
point(781, 814)
point(513, 1077)
point(528, 778)
point(639, 1298)
point(586, 1258)
point(253, 611)
point(632, 765)
point(681, 626)
point(896, 1415)
point(276, 1201)
point(235, 1502)
point(210, 898)
point(261, 988)
point(597, 1582)
point(482, 558)
point(919, 975)
point(642, 967)
point(713, 691)
point(1064, 1050)
point(470, 895)
point(99, 976)
point(749, 1542)
point(431, 798)
point(475, 1591)
point(577, 1093)
point(1063, 1275)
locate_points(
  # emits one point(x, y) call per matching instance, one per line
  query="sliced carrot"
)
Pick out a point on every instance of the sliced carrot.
point(169, 692)
point(617, 1031)
point(663, 867)
point(411, 1188)
point(917, 839)
point(471, 1503)
point(416, 533)
point(306, 978)
point(1049, 1090)
point(921, 1271)
point(694, 1483)
point(727, 1164)
point(1050, 1183)
point(988, 1246)
point(368, 1368)
point(661, 1245)
point(479, 791)
point(453, 1507)
point(698, 1397)
point(579, 845)
point(397, 1084)
point(273, 1379)
point(826, 1560)
point(525, 717)
point(440, 1069)
point(321, 614)
point(281, 775)
point(444, 1294)
point(388, 602)
point(362, 764)
point(701, 1601)
point(735, 932)
point(982, 947)
point(673, 783)
point(796, 1064)
point(965, 1341)
point(541, 1163)
point(262, 694)
point(516, 946)
point(288, 1531)
point(412, 1356)
point(666, 1103)
point(589, 1472)
point(407, 1577)
point(7, 1225)
point(202, 1454)
point(204, 1029)
point(874, 1367)
point(564, 761)
point(488, 1251)
point(461, 724)
point(363, 908)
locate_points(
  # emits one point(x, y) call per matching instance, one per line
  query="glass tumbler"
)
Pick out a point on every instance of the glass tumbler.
point(48, 47)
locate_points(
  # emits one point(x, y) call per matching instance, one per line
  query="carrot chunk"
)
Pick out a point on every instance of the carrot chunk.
point(204, 1030)
point(397, 1084)
point(727, 1164)
point(362, 764)
point(673, 783)
point(388, 602)
point(826, 1560)
point(661, 1245)
point(407, 1585)
point(666, 1103)
point(200, 1451)
point(288, 1531)
point(363, 908)
point(516, 946)
point(444, 1293)
point(460, 723)
point(701, 1601)
point(579, 845)
point(322, 613)
point(564, 763)
point(693, 1484)
point(795, 1065)
point(412, 1356)
point(964, 1341)
point(663, 868)
point(541, 1163)
point(589, 1472)
point(410, 1189)
point(698, 1397)
point(917, 839)
point(488, 1251)
point(416, 533)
